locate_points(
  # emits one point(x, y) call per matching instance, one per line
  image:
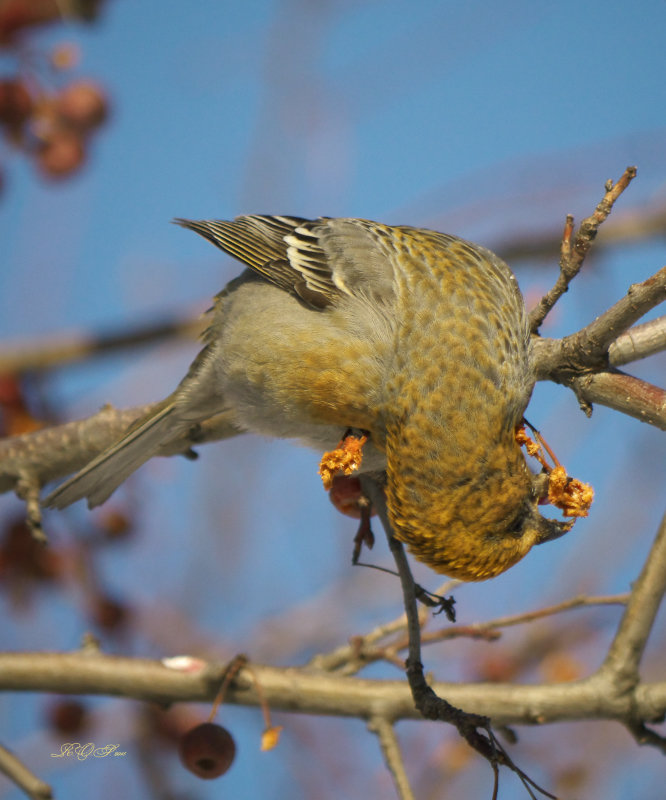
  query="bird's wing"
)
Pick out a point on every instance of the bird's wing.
point(317, 260)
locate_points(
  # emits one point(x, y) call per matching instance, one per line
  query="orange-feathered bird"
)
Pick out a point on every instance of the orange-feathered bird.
point(418, 338)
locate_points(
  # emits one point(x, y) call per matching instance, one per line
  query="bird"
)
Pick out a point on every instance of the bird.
point(417, 339)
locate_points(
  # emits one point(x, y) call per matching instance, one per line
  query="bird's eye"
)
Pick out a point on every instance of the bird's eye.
point(515, 524)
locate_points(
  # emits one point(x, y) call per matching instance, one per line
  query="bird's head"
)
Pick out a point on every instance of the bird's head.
point(478, 527)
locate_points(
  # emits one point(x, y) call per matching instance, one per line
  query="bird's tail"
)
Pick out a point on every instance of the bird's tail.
point(102, 476)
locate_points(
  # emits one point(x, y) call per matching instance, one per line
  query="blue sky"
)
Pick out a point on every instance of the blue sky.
point(481, 119)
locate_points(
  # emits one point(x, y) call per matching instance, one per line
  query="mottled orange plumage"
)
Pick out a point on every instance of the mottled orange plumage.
point(417, 337)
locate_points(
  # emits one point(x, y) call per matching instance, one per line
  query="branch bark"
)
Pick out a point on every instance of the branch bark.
point(302, 690)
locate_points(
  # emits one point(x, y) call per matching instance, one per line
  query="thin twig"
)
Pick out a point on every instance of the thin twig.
point(65, 350)
point(481, 629)
point(573, 251)
point(625, 653)
point(363, 650)
point(351, 657)
point(18, 773)
point(638, 224)
point(388, 741)
point(27, 489)
point(234, 667)
point(474, 728)
point(646, 736)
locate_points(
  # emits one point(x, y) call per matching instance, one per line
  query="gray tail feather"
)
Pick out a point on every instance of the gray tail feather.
point(101, 477)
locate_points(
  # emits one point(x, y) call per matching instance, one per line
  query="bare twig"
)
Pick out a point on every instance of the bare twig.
point(363, 650)
point(568, 271)
point(476, 729)
point(646, 736)
point(573, 252)
point(624, 655)
point(350, 658)
point(483, 629)
point(18, 773)
point(388, 741)
point(638, 224)
point(64, 350)
point(27, 488)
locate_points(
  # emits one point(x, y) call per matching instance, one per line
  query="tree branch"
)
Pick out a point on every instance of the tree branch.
point(18, 773)
point(474, 728)
point(349, 659)
point(64, 350)
point(624, 393)
point(593, 341)
point(388, 741)
point(579, 361)
point(50, 453)
point(638, 342)
point(305, 691)
point(573, 250)
point(625, 652)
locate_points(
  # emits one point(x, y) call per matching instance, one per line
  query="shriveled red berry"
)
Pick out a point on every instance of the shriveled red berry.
point(15, 103)
point(23, 558)
point(207, 750)
point(108, 613)
point(15, 15)
point(67, 717)
point(61, 154)
point(82, 104)
point(115, 525)
point(347, 496)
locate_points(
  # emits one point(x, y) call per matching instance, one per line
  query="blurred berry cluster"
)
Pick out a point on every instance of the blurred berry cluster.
point(45, 114)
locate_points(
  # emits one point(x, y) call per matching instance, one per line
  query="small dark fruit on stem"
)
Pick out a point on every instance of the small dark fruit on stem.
point(67, 717)
point(207, 750)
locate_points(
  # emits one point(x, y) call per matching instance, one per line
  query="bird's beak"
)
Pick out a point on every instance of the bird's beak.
point(550, 529)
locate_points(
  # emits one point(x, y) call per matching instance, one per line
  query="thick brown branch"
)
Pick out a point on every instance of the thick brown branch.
point(638, 342)
point(310, 692)
point(587, 350)
point(624, 393)
point(581, 360)
point(52, 453)
point(48, 454)
point(594, 340)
